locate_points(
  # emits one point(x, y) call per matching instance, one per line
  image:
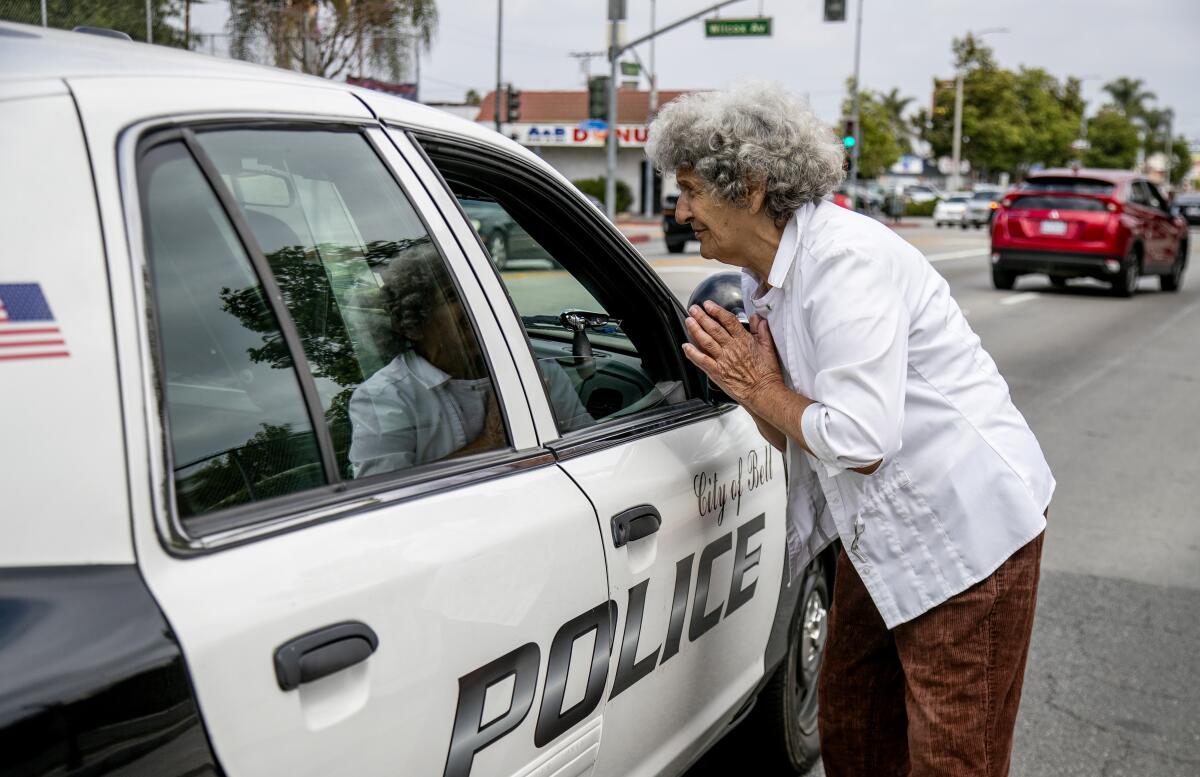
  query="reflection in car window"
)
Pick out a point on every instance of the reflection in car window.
point(239, 430)
point(400, 373)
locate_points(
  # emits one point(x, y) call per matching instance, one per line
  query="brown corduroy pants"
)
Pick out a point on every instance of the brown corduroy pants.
point(937, 695)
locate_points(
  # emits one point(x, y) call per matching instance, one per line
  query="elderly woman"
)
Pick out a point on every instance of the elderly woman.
point(860, 365)
point(434, 400)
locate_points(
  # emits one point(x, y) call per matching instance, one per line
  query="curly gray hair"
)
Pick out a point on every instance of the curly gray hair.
point(749, 134)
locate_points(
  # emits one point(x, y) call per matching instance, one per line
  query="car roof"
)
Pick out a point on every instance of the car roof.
point(38, 54)
point(1111, 176)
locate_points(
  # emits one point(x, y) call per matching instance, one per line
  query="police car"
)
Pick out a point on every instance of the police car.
point(296, 481)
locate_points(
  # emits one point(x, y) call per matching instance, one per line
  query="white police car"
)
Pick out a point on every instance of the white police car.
point(296, 482)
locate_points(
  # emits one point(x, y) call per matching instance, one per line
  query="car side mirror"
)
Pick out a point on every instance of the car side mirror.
point(725, 289)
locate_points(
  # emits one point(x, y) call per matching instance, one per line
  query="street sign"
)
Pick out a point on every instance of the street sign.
point(738, 28)
point(631, 69)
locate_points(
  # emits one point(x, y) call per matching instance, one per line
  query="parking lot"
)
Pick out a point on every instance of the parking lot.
point(1109, 386)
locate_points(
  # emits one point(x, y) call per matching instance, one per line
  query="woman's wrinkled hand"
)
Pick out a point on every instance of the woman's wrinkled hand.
point(741, 363)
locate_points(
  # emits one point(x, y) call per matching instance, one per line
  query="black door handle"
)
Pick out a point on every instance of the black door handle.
point(322, 652)
point(634, 524)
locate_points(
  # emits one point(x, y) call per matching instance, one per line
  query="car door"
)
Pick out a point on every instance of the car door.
point(1148, 226)
point(689, 497)
point(1164, 227)
point(339, 500)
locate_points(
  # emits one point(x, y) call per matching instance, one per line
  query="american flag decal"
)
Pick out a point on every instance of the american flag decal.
point(27, 327)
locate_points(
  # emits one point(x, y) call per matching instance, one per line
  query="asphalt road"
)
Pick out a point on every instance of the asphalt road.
point(1111, 387)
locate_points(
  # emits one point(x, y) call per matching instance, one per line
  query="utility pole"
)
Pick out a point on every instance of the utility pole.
point(45, 18)
point(648, 205)
point(149, 24)
point(615, 49)
point(855, 110)
point(956, 175)
point(499, 23)
point(956, 164)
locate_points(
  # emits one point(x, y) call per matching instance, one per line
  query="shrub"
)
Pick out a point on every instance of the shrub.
point(595, 187)
point(920, 208)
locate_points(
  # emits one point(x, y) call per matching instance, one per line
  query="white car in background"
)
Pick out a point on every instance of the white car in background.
point(920, 192)
point(982, 207)
point(952, 210)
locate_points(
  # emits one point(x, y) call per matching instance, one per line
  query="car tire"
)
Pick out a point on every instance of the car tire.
point(1003, 280)
point(1058, 282)
point(1173, 280)
point(781, 730)
point(964, 225)
point(497, 246)
point(676, 246)
point(1126, 282)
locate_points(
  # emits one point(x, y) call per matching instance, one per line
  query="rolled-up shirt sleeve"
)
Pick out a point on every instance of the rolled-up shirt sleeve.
point(859, 324)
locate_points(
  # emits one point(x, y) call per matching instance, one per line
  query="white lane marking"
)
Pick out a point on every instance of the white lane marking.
point(947, 256)
point(1017, 299)
point(1116, 362)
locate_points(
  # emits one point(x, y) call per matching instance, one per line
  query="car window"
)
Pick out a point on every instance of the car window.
point(1068, 184)
point(1156, 198)
point(1139, 195)
point(239, 428)
point(401, 376)
point(957, 200)
point(596, 346)
point(1048, 202)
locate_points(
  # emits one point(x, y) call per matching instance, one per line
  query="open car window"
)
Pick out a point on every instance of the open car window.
point(598, 343)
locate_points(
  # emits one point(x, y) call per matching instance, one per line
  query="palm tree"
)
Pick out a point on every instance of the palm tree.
point(1157, 121)
point(1128, 96)
point(894, 107)
point(331, 37)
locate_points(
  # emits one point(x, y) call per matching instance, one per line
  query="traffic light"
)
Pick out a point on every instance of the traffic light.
point(849, 135)
point(835, 10)
point(598, 97)
point(514, 104)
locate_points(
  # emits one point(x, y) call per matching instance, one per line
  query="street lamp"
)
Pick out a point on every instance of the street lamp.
point(955, 175)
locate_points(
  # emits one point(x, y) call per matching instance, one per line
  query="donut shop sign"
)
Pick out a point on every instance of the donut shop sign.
point(629, 135)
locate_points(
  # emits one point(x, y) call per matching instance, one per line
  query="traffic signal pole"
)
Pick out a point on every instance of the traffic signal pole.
point(616, 13)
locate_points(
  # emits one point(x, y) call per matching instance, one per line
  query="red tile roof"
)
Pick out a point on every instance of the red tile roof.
point(632, 105)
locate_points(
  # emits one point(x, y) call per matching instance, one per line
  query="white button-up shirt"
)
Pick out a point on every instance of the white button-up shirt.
point(867, 328)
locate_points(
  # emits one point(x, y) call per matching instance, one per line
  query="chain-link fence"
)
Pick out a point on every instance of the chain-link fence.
point(129, 16)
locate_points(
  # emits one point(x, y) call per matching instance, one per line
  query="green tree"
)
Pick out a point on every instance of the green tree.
point(1113, 140)
point(332, 37)
point(894, 106)
point(1128, 96)
point(1181, 159)
point(1010, 120)
point(127, 16)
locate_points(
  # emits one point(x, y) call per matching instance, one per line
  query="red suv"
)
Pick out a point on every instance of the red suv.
point(1107, 224)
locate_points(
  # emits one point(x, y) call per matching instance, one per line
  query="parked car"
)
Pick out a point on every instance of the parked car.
point(867, 199)
point(1111, 225)
point(504, 238)
point(920, 192)
point(952, 211)
point(675, 234)
point(304, 486)
point(1187, 205)
point(981, 208)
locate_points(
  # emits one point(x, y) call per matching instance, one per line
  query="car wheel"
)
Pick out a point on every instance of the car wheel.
point(1173, 280)
point(1058, 282)
point(676, 246)
point(782, 728)
point(1125, 284)
point(1003, 280)
point(498, 247)
point(964, 225)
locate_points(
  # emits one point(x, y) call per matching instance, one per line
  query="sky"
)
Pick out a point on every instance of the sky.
point(905, 44)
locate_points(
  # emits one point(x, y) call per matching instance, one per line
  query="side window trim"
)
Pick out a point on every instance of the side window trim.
point(300, 365)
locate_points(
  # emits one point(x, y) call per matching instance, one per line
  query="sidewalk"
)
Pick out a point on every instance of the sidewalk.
point(638, 229)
